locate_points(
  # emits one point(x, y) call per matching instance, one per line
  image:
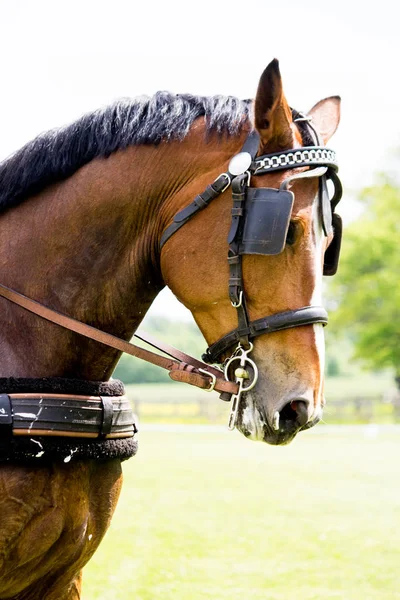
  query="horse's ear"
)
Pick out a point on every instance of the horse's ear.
point(272, 114)
point(326, 116)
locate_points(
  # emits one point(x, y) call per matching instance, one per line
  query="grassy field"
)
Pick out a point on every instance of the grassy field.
point(214, 516)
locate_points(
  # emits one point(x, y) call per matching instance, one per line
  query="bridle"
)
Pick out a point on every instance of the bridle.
point(260, 221)
point(259, 225)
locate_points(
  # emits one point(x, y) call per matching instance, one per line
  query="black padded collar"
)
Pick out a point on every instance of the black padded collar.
point(39, 450)
point(61, 385)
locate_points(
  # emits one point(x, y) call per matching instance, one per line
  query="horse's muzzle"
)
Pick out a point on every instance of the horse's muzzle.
point(280, 428)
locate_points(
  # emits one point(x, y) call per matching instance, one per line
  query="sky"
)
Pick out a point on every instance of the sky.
point(62, 59)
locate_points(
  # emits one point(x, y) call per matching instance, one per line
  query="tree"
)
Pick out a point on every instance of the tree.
point(367, 286)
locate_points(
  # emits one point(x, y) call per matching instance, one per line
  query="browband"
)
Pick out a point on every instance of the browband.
point(309, 157)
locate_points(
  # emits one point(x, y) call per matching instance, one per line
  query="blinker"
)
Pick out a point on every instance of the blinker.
point(267, 220)
point(332, 253)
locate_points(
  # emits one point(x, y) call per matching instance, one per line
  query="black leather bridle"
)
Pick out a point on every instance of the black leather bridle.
point(244, 165)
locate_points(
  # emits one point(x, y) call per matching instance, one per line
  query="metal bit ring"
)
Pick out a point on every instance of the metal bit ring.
point(247, 360)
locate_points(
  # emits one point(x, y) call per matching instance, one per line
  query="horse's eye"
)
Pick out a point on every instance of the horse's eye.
point(291, 234)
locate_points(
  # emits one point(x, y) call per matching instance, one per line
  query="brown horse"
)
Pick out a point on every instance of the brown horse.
point(83, 212)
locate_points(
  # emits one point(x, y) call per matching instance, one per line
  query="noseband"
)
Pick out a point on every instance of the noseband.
point(259, 225)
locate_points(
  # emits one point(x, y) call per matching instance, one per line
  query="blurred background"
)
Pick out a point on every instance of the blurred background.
point(187, 535)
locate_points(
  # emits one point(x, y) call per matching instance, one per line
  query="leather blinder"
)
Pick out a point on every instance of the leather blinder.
point(267, 220)
point(332, 253)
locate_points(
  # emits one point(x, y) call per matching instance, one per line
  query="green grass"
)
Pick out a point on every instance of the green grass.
point(214, 516)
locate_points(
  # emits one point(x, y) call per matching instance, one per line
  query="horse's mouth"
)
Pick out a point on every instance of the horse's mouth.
point(255, 427)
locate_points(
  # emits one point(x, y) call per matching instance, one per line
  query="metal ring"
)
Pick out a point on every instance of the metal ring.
point(252, 363)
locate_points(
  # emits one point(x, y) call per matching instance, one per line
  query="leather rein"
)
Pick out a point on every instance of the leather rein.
point(181, 366)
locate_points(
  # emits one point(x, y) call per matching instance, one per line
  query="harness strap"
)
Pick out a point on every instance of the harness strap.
point(66, 415)
point(201, 201)
point(212, 377)
point(236, 292)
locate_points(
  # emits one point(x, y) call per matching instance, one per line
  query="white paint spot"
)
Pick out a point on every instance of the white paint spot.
point(35, 417)
point(90, 536)
point(41, 452)
point(26, 415)
point(68, 458)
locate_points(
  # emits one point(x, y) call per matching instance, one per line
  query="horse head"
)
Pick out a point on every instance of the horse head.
point(289, 393)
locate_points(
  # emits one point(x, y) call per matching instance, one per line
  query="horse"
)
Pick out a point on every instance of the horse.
point(96, 218)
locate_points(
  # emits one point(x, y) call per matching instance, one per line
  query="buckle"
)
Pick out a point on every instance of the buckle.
point(228, 181)
point(213, 380)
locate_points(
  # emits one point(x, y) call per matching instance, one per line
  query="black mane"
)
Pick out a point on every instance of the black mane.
point(57, 154)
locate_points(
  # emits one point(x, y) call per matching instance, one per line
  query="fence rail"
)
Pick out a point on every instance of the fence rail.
point(206, 408)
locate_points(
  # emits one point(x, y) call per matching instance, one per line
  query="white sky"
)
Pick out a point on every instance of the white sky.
point(60, 59)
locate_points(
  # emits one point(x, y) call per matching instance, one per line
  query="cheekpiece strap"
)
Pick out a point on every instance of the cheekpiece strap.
point(236, 292)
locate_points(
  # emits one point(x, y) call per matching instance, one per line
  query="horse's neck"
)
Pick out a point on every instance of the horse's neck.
point(86, 247)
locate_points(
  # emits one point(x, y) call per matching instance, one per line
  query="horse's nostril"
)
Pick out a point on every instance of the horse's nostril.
point(301, 408)
point(293, 413)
